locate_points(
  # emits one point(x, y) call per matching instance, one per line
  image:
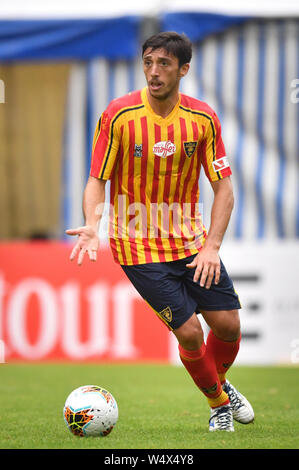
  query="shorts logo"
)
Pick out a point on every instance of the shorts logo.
point(164, 149)
point(220, 164)
point(138, 150)
point(166, 314)
point(189, 148)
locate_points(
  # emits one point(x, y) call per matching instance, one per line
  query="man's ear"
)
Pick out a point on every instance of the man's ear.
point(184, 70)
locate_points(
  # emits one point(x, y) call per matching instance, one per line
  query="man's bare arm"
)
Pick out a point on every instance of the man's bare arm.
point(93, 202)
point(93, 206)
point(207, 262)
point(221, 212)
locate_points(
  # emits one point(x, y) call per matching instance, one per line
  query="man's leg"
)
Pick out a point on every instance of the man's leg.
point(224, 338)
point(223, 344)
point(160, 284)
point(199, 362)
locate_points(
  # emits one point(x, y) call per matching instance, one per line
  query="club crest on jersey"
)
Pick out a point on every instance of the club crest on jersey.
point(189, 148)
point(164, 149)
point(138, 150)
point(166, 314)
point(220, 164)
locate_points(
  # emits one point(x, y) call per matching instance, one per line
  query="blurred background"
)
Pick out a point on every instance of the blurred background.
point(61, 63)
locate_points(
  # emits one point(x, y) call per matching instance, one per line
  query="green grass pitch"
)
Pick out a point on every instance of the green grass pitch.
point(159, 407)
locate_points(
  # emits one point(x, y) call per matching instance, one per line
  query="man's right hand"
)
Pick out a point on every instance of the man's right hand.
point(88, 242)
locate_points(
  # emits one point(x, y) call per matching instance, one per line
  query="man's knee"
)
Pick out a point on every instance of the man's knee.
point(229, 329)
point(190, 334)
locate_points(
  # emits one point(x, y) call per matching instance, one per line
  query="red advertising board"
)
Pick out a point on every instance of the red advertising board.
point(53, 309)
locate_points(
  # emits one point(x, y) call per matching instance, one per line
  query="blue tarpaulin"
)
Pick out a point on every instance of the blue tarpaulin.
point(112, 38)
point(85, 39)
point(198, 26)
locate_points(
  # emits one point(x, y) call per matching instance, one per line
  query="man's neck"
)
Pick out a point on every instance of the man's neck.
point(163, 107)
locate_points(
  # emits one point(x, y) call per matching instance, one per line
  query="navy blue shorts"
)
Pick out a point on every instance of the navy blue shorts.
point(171, 292)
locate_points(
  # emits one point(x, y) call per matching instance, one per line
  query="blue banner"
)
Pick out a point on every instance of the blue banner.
point(113, 38)
point(198, 26)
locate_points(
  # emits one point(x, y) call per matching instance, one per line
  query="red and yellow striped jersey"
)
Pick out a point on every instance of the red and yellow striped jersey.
point(154, 165)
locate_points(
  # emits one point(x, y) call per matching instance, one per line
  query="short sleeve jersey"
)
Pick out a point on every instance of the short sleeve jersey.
point(154, 165)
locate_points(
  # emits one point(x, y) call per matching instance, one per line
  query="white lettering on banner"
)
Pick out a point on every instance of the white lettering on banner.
point(2, 351)
point(123, 297)
point(1, 306)
point(59, 320)
point(97, 341)
point(97, 296)
point(16, 316)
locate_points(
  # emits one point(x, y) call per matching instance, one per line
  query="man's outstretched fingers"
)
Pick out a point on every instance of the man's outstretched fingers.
point(74, 231)
point(92, 254)
point(81, 256)
point(75, 251)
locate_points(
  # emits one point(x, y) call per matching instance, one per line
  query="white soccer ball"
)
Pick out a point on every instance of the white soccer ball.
point(90, 411)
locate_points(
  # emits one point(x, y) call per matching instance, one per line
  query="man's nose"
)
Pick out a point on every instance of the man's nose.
point(154, 70)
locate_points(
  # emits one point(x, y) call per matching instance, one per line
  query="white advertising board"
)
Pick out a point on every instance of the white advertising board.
point(266, 278)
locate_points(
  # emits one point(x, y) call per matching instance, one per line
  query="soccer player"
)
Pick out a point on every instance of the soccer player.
point(152, 144)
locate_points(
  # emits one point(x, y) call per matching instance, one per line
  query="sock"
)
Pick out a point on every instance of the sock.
point(224, 353)
point(201, 366)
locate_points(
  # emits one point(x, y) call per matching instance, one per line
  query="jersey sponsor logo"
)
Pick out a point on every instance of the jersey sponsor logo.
point(166, 314)
point(164, 149)
point(138, 150)
point(189, 148)
point(220, 164)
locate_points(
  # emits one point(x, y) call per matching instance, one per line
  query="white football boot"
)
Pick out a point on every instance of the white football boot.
point(241, 408)
point(221, 419)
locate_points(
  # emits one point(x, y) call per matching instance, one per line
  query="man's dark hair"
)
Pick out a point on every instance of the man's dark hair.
point(176, 44)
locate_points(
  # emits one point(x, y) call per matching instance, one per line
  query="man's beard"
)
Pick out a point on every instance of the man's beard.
point(166, 94)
